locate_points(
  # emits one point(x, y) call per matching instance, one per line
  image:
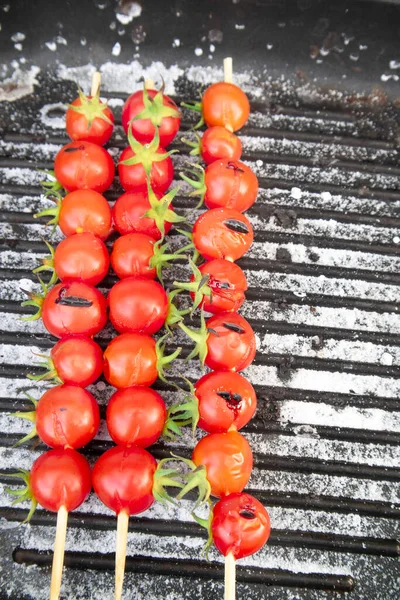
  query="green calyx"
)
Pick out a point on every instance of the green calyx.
point(206, 523)
point(196, 107)
point(162, 259)
point(174, 314)
point(164, 361)
point(190, 245)
point(145, 154)
point(91, 108)
point(196, 479)
point(35, 300)
point(198, 183)
point(29, 416)
point(163, 478)
point(199, 286)
point(51, 187)
point(195, 146)
point(160, 210)
point(53, 212)
point(155, 109)
point(48, 265)
point(50, 374)
point(182, 414)
point(23, 494)
point(200, 337)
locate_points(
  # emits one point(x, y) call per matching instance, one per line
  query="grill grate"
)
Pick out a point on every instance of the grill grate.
point(324, 302)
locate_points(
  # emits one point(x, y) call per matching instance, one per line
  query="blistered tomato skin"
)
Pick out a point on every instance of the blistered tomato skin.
point(131, 256)
point(85, 211)
point(130, 359)
point(231, 342)
point(230, 184)
point(129, 215)
point(83, 165)
point(67, 356)
point(240, 525)
point(222, 233)
point(218, 143)
point(228, 285)
point(225, 105)
point(81, 257)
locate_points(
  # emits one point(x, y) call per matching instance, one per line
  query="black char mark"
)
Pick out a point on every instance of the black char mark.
point(236, 226)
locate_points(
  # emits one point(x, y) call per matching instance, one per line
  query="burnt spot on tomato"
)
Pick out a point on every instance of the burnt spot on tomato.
point(235, 328)
point(74, 301)
point(211, 330)
point(234, 166)
point(74, 149)
point(247, 513)
point(203, 281)
point(63, 409)
point(236, 226)
point(230, 398)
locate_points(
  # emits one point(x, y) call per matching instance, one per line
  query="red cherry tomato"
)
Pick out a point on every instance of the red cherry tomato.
point(133, 178)
point(226, 400)
point(227, 283)
point(131, 255)
point(130, 359)
point(67, 416)
point(137, 305)
point(222, 233)
point(226, 105)
point(240, 525)
point(228, 460)
point(230, 184)
point(85, 210)
point(231, 343)
point(73, 307)
point(82, 165)
point(218, 143)
point(159, 115)
point(60, 478)
point(77, 360)
point(123, 479)
point(136, 415)
point(81, 257)
point(128, 215)
point(90, 120)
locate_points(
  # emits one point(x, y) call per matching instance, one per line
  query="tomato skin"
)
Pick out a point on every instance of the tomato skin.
point(82, 257)
point(133, 178)
point(136, 415)
point(67, 416)
point(128, 214)
point(131, 255)
point(143, 129)
point(78, 128)
point(226, 105)
point(67, 357)
point(228, 285)
point(85, 210)
point(227, 349)
point(230, 184)
point(233, 528)
point(61, 478)
point(228, 460)
point(61, 319)
point(123, 479)
point(220, 413)
point(129, 360)
point(83, 165)
point(214, 239)
point(218, 143)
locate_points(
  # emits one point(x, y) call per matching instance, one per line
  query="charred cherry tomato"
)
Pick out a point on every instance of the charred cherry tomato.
point(83, 165)
point(222, 233)
point(59, 478)
point(67, 416)
point(72, 308)
point(225, 400)
point(230, 184)
point(225, 105)
point(85, 210)
point(147, 110)
point(227, 284)
point(137, 305)
point(228, 460)
point(90, 120)
point(218, 143)
point(75, 360)
point(136, 416)
point(82, 257)
point(128, 215)
point(231, 343)
point(240, 525)
point(130, 359)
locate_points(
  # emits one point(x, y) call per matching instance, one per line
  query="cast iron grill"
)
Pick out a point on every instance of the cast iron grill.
point(324, 302)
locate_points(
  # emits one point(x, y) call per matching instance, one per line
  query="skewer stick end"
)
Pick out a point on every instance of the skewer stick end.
point(120, 554)
point(228, 69)
point(149, 84)
point(230, 577)
point(59, 549)
point(96, 81)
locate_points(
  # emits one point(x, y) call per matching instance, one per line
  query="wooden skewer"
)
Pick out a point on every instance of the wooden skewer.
point(230, 577)
point(58, 558)
point(120, 554)
point(228, 69)
point(96, 81)
point(149, 84)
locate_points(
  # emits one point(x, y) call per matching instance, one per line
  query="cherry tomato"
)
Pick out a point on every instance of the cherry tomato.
point(147, 109)
point(230, 184)
point(74, 307)
point(218, 143)
point(128, 215)
point(60, 477)
point(136, 415)
point(228, 460)
point(137, 305)
point(85, 210)
point(227, 283)
point(77, 360)
point(130, 359)
point(226, 400)
point(133, 178)
point(231, 343)
point(67, 416)
point(82, 165)
point(90, 120)
point(131, 255)
point(123, 479)
point(226, 105)
point(240, 525)
point(81, 257)
point(222, 233)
